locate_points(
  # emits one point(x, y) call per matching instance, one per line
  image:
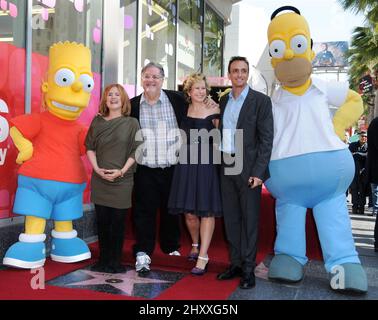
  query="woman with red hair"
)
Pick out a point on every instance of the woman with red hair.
point(111, 150)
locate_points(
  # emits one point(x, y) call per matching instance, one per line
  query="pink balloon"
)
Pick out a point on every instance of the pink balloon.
point(13, 11)
point(45, 14)
point(3, 5)
point(79, 5)
point(97, 35)
point(129, 22)
point(49, 3)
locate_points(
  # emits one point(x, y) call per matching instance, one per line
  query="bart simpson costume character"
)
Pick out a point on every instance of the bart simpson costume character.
point(52, 178)
point(311, 167)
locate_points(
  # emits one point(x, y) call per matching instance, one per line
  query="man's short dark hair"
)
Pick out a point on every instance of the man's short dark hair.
point(237, 58)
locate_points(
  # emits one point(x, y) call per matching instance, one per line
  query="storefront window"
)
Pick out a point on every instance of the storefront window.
point(213, 44)
point(189, 42)
point(159, 36)
point(129, 45)
point(12, 93)
point(67, 20)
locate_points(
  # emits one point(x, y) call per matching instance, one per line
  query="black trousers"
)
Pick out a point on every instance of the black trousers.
point(358, 189)
point(111, 234)
point(241, 211)
point(151, 188)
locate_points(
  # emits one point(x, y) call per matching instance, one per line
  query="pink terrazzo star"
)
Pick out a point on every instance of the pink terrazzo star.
point(121, 281)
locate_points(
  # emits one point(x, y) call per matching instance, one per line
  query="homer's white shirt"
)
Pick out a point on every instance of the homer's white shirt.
point(303, 124)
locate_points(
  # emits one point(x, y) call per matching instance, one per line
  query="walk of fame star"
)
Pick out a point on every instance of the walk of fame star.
point(129, 283)
point(123, 281)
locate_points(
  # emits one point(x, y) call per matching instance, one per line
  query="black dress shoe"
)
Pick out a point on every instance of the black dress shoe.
point(143, 272)
point(247, 282)
point(99, 267)
point(118, 268)
point(230, 273)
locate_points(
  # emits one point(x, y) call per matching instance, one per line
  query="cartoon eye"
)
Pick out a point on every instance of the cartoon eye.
point(277, 49)
point(88, 83)
point(299, 44)
point(64, 77)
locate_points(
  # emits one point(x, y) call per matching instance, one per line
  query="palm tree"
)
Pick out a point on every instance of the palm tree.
point(368, 7)
point(363, 52)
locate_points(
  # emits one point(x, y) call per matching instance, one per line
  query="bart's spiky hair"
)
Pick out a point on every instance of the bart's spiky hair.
point(65, 45)
point(71, 52)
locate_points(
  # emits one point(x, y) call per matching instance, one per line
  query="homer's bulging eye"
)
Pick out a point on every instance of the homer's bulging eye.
point(299, 44)
point(277, 48)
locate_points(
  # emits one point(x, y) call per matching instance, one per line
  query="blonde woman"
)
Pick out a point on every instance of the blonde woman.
point(195, 189)
point(111, 149)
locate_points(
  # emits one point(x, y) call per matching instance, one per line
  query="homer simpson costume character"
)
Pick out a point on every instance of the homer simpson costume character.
point(311, 167)
point(52, 178)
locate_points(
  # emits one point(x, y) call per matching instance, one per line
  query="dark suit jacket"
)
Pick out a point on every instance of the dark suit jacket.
point(256, 120)
point(179, 104)
point(372, 158)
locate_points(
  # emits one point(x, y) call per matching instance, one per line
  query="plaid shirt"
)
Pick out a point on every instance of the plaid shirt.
point(160, 131)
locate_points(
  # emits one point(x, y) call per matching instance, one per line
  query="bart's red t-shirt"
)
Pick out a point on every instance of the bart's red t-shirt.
point(57, 147)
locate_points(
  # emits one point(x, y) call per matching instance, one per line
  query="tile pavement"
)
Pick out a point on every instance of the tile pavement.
point(315, 284)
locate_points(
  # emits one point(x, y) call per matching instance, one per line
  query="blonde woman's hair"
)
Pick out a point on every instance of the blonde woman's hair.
point(190, 81)
point(126, 106)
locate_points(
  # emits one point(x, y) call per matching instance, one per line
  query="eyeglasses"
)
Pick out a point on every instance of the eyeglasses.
point(153, 77)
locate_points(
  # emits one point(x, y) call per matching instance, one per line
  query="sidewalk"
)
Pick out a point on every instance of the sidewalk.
point(315, 284)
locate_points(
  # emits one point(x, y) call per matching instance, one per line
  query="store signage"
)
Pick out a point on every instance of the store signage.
point(4, 131)
point(186, 49)
point(366, 85)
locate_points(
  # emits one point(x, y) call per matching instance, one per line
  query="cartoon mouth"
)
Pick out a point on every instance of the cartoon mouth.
point(65, 107)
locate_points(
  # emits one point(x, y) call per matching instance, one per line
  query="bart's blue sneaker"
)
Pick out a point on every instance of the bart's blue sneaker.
point(28, 253)
point(68, 248)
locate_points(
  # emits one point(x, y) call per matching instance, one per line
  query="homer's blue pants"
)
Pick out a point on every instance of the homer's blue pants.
point(318, 181)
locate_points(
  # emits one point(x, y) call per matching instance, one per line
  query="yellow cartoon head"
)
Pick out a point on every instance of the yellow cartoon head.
point(290, 47)
point(70, 81)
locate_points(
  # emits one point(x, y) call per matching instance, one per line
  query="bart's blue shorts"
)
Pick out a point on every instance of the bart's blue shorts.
point(47, 199)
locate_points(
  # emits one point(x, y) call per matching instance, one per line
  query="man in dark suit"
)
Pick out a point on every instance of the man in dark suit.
point(159, 113)
point(359, 185)
point(372, 171)
point(247, 139)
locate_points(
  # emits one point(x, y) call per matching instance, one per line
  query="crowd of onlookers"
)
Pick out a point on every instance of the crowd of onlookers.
point(365, 182)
